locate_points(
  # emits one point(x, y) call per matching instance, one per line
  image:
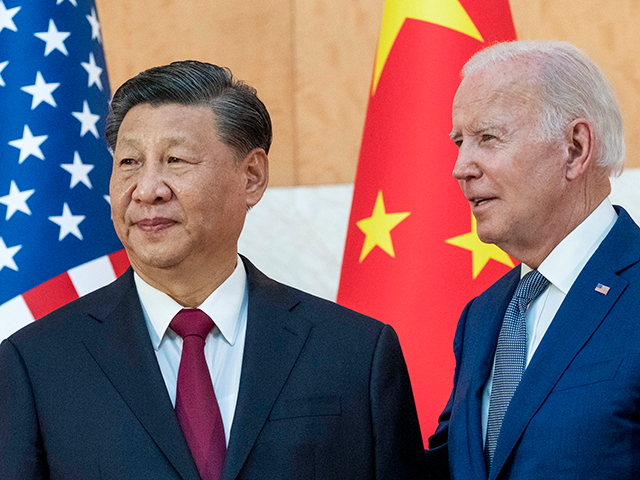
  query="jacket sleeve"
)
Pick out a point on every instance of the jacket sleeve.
point(398, 447)
point(22, 455)
point(438, 453)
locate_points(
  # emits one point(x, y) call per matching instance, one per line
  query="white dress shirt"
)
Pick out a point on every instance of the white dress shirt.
point(561, 267)
point(224, 347)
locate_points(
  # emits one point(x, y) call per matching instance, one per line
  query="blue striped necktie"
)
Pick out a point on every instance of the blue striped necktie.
point(511, 353)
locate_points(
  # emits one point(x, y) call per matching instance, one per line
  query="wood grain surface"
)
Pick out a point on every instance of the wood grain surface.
point(311, 62)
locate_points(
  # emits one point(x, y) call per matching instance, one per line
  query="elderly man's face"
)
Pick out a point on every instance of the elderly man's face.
point(178, 197)
point(512, 178)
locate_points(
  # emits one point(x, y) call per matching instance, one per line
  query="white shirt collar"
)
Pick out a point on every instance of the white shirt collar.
point(565, 262)
point(223, 306)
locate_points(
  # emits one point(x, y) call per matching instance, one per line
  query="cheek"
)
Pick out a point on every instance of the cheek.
point(119, 198)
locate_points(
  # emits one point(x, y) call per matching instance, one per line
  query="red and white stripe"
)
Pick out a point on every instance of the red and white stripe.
point(60, 290)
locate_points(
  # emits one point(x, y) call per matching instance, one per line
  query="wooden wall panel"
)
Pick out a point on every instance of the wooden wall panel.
point(311, 61)
point(335, 44)
point(608, 32)
point(253, 38)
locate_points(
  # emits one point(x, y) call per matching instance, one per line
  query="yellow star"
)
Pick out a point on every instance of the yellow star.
point(446, 13)
point(481, 252)
point(377, 228)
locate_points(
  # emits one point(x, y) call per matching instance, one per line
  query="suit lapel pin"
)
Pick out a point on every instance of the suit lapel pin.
point(603, 289)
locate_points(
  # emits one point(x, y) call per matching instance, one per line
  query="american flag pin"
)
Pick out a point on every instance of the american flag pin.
point(603, 289)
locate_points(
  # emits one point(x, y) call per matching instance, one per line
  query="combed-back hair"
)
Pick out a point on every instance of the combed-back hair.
point(242, 120)
point(571, 86)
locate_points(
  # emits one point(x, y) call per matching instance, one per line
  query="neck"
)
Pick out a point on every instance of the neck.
point(577, 207)
point(189, 287)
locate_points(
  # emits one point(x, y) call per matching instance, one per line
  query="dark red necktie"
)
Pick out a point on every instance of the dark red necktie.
point(196, 404)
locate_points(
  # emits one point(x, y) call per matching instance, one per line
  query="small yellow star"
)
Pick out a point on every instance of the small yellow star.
point(481, 252)
point(377, 228)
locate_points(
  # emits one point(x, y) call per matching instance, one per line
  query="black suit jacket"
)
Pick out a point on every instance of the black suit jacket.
point(324, 393)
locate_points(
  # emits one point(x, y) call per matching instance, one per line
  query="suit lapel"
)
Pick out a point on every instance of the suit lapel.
point(119, 343)
point(481, 335)
point(275, 338)
point(580, 314)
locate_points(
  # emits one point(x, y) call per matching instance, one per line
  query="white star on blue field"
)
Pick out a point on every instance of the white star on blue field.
point(54, 160)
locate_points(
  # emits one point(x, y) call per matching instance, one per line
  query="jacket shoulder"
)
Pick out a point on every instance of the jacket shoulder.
point(97, 304)
point(268, 292)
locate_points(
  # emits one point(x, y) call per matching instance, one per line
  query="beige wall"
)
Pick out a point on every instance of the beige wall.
point(311, 61)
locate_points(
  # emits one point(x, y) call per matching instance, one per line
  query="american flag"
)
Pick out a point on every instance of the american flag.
point(57, 241)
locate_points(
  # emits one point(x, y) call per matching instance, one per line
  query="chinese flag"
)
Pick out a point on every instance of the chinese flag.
point(412, 258)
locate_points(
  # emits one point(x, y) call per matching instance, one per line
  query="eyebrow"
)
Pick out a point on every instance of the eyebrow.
point(478, 130)
point(482, 128)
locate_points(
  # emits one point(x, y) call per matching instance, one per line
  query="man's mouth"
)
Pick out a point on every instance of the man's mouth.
point(476, 202)
point(155, 224)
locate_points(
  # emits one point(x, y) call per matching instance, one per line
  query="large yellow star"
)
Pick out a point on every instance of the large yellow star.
point(447, 13)
point(481, 252)
point(377, 228)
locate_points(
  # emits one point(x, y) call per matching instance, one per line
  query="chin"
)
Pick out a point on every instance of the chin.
point(487, 235)
point(483, 232)
point(154, 259)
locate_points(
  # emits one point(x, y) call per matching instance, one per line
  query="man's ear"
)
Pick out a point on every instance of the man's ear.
point(256, 168)
point(581, 145)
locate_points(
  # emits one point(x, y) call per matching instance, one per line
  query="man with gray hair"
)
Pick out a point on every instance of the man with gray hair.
point(547, 381)
point(193, 364)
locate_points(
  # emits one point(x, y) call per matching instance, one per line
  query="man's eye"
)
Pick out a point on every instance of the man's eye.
point(486, 137)
point(127, 161)
point(174, 160)
point(458, 143)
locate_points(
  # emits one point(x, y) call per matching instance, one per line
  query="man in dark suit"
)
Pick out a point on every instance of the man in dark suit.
point(547, 382)
point(267, 381)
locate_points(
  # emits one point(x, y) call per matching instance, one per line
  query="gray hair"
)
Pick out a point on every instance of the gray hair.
point(571, 86)
point(242, 120)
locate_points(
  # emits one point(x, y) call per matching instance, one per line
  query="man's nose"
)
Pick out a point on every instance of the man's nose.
point(152, 186)
point(466, 166)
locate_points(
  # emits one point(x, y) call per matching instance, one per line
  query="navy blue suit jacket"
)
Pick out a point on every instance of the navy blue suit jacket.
point(576, 412)
point(324, 393)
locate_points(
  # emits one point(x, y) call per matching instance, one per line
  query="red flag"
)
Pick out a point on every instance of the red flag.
point(412, 258)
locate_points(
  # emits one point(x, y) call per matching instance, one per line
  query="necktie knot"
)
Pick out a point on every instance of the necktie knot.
point(529, 288)
point(191, 321)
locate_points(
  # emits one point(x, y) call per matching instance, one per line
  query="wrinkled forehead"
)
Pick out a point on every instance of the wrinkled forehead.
point(505, 89)
point(501, 82)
